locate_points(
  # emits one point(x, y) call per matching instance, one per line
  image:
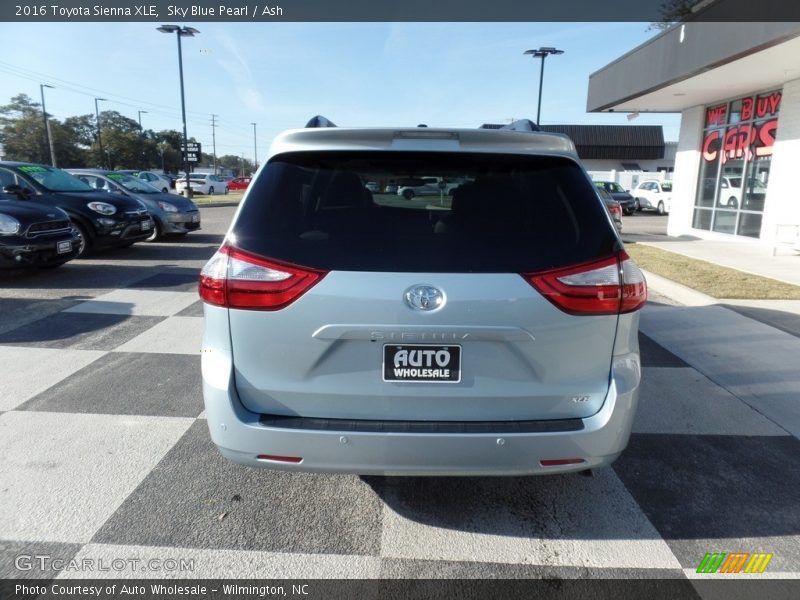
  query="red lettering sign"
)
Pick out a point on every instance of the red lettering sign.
point(766, 138)
point(716, 115)
point(747, 109)
point(711, 146)
point(768, 105)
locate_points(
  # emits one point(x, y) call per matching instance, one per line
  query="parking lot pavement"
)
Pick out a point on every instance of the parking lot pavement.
point(106, 455)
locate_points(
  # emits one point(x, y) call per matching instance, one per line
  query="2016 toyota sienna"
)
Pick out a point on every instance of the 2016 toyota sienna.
point(489, 330)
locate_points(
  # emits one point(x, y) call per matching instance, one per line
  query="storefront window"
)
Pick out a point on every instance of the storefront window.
point(736, 154)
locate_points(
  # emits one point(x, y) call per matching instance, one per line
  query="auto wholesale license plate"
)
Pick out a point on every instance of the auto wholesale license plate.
point(64, 247)
point(147, 225)
point(425, 363)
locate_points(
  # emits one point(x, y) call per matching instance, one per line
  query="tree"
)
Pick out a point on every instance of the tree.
point(235, 164)
point(22, 134)
point(22, 131)
point(673, 11)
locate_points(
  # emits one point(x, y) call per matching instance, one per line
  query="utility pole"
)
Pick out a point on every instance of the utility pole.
point(99, 135)
point(241, 166)
point(255, 147)
point(47, 135)
point(214, 140)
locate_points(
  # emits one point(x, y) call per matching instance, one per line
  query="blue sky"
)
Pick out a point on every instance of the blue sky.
point(279, 75)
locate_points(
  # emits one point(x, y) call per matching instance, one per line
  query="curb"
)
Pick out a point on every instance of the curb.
point(218, 204)
point(678, 292)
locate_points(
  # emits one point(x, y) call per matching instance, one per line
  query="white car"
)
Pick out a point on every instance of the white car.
point(425, 186)
point(652, 194)
point(161, 182)
point(202, 183)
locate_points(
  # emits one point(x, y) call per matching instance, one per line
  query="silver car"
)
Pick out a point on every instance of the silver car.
point(495, 334)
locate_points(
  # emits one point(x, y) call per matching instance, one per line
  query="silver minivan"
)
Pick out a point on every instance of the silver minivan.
point(492, 333)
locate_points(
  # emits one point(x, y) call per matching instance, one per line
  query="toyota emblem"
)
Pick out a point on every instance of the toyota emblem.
point(424, 297)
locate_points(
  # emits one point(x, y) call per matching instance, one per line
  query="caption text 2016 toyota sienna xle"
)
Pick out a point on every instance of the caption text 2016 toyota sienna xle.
point(490, 330)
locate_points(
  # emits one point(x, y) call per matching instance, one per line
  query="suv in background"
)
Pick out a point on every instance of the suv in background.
point(621, 195)
point(102, 220)
point(351, 333)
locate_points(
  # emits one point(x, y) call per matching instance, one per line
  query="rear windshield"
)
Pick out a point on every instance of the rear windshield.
point(432, 212)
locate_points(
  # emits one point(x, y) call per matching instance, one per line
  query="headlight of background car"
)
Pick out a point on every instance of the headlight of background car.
point(102, 207)
point(8, 225)
point(167, 206)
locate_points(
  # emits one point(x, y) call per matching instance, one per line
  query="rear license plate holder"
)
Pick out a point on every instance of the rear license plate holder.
point(421, 363)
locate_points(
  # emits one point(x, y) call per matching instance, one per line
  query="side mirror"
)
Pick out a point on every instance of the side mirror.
point(19, 191)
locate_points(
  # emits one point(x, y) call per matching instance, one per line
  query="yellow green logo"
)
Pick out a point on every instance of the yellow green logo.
point(735, 562)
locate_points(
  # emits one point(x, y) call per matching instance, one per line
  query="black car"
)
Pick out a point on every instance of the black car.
point(625, 199)
point(34, 235)
point(103, 220)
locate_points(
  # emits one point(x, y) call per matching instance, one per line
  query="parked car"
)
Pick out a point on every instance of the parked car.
point(173, 215)
point(621, 195)
point(102, 220)
point(345, 333)
point(373, 187)
point(425, 186)
point(239, 183)
point(391, 188)
point(162, 183)
point(34, 235)
point(652, 194)
point(614, 207)
point(202, 183)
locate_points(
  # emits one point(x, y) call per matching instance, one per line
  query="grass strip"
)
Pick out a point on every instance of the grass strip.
point(709, 278)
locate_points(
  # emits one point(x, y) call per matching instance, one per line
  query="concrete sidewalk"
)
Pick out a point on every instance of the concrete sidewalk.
point(749, 347)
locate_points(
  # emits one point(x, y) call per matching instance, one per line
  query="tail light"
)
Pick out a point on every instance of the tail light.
point(615, 210)
point(237, 279)
point(609, 286)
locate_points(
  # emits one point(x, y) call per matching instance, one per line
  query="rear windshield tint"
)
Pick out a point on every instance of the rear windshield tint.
point(424, 212)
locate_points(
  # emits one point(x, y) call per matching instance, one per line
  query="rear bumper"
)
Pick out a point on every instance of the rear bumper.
point(241, 436)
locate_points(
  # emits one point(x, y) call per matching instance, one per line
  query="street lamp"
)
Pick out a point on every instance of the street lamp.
point(141, 138)
point(182, 32)
point(255, 147)
point(542, 53)
point(99, 137)
point(47, 137)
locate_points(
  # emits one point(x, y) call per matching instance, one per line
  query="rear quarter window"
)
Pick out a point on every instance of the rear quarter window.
point(497, 213)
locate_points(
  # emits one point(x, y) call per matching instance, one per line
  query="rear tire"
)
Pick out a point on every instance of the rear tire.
point(732, 203)
point(408, 194)
point(660, 208)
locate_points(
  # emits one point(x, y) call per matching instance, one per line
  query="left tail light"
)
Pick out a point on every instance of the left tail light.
point(234, 278)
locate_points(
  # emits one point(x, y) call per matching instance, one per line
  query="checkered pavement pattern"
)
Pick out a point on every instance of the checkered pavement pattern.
point(106, 455)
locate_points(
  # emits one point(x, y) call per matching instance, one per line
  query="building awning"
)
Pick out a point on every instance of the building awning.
point(696, 64)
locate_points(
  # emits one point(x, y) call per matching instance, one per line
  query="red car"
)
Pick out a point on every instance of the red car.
point(240, 183)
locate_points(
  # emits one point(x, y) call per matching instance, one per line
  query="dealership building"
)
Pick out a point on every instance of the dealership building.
point(737, 87)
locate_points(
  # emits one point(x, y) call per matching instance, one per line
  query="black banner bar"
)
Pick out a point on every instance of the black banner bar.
point(198, 11)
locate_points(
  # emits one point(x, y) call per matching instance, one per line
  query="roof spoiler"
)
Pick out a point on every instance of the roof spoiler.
point(521, 125)
point(320, 121)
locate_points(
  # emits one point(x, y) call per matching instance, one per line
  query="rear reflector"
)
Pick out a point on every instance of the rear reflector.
point(283, 459)
point(556, 462)
point(608, 286)
point(237, 279)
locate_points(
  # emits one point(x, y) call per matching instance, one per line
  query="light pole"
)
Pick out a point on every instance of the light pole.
point(47, 137)
point(182, 32)
point(140, 117)
point(99, 135)
point(542, 53)
point(255, 147)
